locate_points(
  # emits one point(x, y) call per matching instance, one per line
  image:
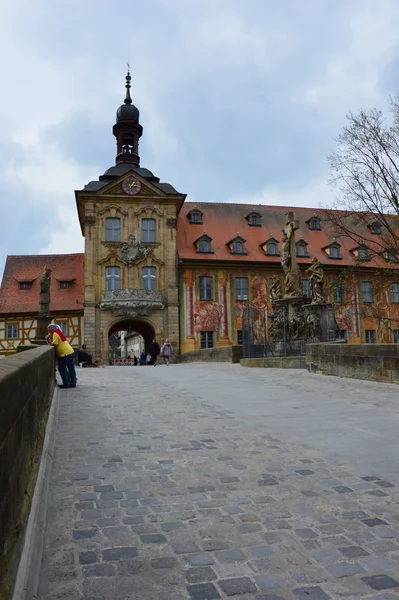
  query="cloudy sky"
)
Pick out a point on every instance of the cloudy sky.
point(240, 100)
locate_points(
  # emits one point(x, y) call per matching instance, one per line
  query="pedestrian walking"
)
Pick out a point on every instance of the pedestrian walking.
point(166, 351)
point(154, 351)
point(142, 359)
point(65, 356)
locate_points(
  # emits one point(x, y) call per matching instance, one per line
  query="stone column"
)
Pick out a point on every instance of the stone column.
point(224, 331)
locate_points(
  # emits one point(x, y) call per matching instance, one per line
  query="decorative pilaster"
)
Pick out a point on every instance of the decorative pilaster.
point(224, 332)
point(189, 341)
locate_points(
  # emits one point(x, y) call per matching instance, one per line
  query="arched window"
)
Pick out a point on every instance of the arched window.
point(112, 229)
point(112, 278)
point(148, 231)
point(149, 278)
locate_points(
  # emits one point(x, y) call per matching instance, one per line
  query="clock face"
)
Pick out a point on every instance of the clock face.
point(131, 186)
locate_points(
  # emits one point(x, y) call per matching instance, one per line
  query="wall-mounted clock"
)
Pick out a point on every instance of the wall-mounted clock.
point(131, 186)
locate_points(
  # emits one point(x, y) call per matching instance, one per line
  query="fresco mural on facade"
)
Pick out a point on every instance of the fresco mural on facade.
point(259, 293)
point(207, 315)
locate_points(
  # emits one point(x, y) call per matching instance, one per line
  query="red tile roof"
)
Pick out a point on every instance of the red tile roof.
point(65, 267)
point(224, 221)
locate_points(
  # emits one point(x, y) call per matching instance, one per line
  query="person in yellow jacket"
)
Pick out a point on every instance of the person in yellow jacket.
point(65, 355)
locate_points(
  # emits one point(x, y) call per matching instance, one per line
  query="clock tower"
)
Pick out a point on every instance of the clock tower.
point(128, 219)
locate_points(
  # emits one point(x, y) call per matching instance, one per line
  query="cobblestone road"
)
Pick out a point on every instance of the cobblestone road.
point(196, 482)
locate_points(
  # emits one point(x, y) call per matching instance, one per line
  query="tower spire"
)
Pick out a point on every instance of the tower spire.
point(127, 128)
point(128, 99)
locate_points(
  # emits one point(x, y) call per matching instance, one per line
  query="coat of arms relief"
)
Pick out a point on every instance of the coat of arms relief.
point(133, 250)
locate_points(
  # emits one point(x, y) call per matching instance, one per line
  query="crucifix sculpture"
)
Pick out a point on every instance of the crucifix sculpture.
point(293, 282)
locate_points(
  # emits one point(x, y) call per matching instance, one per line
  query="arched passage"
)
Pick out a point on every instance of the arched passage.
point(134, 326)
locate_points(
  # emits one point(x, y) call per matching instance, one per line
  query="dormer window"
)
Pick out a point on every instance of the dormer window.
point(254, 219)
point(363, 253)
point(270, 247)
point(203, 244)
point(375, 227)
point(391, 255)
point(195, 216)
point(25, 285)
point(237, 245)
point(333, 250)
point(314, 223)
point(302, 249)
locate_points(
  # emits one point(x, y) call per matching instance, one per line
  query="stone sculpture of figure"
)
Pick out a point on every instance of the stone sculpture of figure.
point(275, 288)
point(45, 282)
point(316, 278)
point(293, 282)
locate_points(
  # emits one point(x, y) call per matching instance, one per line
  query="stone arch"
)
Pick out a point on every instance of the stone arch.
point(141, 326)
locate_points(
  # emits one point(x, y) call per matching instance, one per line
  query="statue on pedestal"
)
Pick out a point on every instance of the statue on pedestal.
point(275, 288)
point(316, 281)
point(45, 282)
point(293, 283)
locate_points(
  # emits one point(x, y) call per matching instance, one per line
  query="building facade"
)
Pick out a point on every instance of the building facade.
point(162, 267)
point(19, 298)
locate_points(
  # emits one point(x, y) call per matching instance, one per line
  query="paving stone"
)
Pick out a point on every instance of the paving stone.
point(150, 538)
point(306, 533)
point(188, 547)
point(227, 556)
point(344, 569)
point(261, 551)
point(119, 553)
point(269, 582)
point(377, 563)
point(200, 574)
point(88, 557)
point(203, 591)
point(343, 489)
point(237, 585)
point(104, 488)
point(305, 472)
point(311, 593)
point(374, 522)
point(201, 559)
point(212, 545)
point(353, 551)
point(164, 562)
point(381, 582)
point(99, 570)
point(326, 556)
point(384, 484)
point(229, 479)
point(81, 534)
point(378, 493)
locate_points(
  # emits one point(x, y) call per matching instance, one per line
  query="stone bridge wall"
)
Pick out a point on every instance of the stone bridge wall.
point(27, 383)
point(375, 362)
point(230, 354)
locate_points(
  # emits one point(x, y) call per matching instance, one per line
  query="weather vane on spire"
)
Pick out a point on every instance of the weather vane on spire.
point(128, 67)
point(128, 99)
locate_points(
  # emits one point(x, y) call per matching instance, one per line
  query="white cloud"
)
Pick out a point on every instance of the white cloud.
point(315, 194)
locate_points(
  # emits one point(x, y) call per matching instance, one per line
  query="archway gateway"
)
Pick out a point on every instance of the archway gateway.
point(142, 328)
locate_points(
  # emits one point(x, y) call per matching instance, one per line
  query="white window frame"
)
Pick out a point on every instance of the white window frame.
point(207, 339)
point(63, 325)
point(12, 328)
point(370, 335)
point(367, 292)
point(149, 278)
point(395, 293)
point(241, 288)
point(112, 229)
point(205, 287)
point(148, 231)
point(112, 278)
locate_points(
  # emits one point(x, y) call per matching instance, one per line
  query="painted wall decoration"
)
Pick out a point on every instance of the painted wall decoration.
point(207, 315)
point(259, 293)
